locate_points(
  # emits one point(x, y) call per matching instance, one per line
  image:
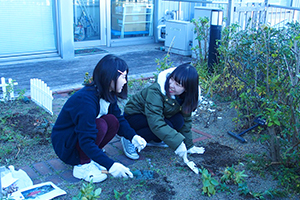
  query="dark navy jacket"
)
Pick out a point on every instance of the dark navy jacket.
point(77, 122)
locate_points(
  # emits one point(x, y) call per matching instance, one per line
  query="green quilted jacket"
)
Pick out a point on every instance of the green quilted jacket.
point(156, 106)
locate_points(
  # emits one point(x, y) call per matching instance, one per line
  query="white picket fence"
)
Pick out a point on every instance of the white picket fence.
point(7, 89)
point(41, 94)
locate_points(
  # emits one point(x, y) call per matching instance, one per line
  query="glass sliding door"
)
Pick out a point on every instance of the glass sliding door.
point(131, 18)
point(88, 22)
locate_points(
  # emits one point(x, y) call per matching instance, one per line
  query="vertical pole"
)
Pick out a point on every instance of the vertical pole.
point(230, 13)
point(266, 12)
point(11, 91)
point(3, 85)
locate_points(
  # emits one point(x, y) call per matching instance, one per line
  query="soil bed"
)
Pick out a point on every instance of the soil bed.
point(25, 139)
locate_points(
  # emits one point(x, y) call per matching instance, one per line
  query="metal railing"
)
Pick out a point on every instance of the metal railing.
point(257, 14)
point(278, 16)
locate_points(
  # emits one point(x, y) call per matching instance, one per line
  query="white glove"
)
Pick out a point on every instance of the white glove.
point(139, 142)
point(181, 151)
point(118, 170)
point(198, 150)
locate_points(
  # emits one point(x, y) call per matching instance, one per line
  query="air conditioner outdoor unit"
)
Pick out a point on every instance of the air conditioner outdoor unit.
point(179, 37)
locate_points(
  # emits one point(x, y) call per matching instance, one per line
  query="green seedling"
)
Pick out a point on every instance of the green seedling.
point(88, 192)
point(232, 176)
point(209, 183)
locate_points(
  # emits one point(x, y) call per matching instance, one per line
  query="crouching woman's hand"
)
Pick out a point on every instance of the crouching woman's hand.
point(139, 142)
point(118, 170)
point(197, 150)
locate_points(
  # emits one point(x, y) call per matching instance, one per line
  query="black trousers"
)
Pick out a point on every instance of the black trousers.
point(140, 124)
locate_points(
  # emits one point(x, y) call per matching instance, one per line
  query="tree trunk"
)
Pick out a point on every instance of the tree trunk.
point(274, 145)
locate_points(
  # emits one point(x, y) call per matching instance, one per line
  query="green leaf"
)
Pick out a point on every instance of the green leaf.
point(211, 189)
point(206, 183)
point(214, 182)
point(274, 55)
point(98, 191)
point(215, 78)
point(277, 122)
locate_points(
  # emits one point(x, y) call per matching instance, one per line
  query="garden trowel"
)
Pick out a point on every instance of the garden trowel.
point(138, 174)
point(191, 165)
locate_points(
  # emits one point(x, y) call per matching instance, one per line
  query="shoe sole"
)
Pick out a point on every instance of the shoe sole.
point(127, 154)
point(98, 177)
point(97, 180)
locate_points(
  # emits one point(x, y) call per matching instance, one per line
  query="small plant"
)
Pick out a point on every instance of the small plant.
point(232, 176)
point(135, 84)
point(256, 163)
point(209, 183)
point(288, 178)
point(202, 29)
point(9, 90)
point(88, 192)
point(133, 188)
point(243, 188)
point(87, 78)
point(224, 188)
point(239, 177)
point(117, 194)
point(164, 64)
point(228, 175)
point(43, 127)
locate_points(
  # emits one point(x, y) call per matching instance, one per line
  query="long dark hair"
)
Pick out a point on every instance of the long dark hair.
point(187, 76)
point(104, 73)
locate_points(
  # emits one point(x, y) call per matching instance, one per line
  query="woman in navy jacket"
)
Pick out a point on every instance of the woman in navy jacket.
point(90, 119)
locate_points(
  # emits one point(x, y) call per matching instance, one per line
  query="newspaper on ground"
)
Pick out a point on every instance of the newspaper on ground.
point(45, 191)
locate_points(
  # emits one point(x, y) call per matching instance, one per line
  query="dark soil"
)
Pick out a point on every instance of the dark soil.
point(25, 139)
point(217, 156)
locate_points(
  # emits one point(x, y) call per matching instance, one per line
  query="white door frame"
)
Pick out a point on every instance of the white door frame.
point(103, 29)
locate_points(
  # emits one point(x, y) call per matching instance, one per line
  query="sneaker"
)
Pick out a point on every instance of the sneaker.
point(100, 167)
point(157, 144)
point(129, 149)
point(89, 172)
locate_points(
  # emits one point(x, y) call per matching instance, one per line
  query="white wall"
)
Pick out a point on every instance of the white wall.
point(65, 28)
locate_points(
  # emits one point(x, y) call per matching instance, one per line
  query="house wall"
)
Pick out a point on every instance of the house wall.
point(163, 10)
point(65, 29)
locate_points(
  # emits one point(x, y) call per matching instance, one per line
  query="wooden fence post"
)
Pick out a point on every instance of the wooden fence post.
point(41, 94)
point(10, 90)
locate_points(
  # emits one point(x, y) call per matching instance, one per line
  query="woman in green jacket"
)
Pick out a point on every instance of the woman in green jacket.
point(161, 113)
